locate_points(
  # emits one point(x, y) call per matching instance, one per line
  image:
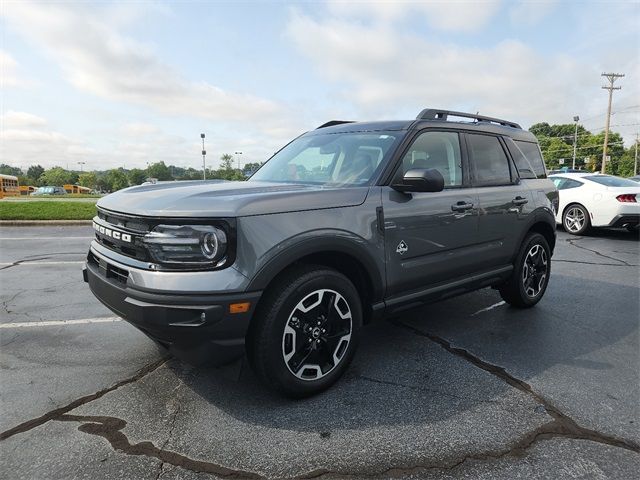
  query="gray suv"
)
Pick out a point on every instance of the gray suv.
point(344, 225)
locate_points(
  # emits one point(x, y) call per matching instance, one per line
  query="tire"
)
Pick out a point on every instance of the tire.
point(531, 272)
point(305, 331)
point(576, 220)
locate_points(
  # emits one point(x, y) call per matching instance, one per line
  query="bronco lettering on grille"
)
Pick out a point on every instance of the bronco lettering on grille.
point(116, 235)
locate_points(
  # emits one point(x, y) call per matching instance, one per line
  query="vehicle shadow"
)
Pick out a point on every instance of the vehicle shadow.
point(611, 233)
point(401, 378)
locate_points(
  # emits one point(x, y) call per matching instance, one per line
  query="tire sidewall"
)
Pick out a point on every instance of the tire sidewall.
point(587, 222)
point(286, 302)
point(534, 239)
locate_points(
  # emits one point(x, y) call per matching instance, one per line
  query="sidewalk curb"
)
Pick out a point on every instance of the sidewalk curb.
point(41, 223)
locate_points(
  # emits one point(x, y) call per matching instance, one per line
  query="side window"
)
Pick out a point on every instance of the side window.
point(532, 152)
point(569, 183)
point(525, 169)
point(439, 150)
point(489, 160)
point(558, 181)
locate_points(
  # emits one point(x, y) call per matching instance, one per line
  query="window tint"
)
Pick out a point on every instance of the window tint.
point(490, 161)
point(439, 150)
point(611, 181)
point(525, 169)
point(563, 183)
point(532, 152)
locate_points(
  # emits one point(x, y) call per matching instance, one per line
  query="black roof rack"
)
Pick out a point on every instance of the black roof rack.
point(435, 114)
point(334, 122)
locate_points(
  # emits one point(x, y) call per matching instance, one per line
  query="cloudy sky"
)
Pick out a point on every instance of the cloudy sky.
point(130, 82)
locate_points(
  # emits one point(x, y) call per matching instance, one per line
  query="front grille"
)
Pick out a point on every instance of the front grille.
point(134, 227)
point(107, 269)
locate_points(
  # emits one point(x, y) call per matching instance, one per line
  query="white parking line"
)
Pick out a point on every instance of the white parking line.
point(26, 262)
point(46, 238)
point(60, 323)
point(490, 307)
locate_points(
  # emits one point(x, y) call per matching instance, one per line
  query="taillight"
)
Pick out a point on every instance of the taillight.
point(627, 198)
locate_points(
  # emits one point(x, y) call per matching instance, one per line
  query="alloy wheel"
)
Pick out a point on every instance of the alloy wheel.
point(575, 219)
point(317, 334)
point(535, 270)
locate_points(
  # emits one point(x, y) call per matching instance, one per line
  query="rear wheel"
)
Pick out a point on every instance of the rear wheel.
point(305, 331)
point(576, 219)
point(530, 275)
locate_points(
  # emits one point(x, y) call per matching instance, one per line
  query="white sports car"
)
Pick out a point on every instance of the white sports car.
point(594, 200)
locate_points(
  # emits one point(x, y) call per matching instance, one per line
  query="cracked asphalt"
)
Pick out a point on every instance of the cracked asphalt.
point(466, 388)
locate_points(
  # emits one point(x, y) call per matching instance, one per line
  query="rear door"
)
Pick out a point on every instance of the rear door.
point(430, 237)
point(504, 201)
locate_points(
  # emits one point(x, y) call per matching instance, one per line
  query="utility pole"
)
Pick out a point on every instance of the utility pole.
point(238, 155)
point(612, 77)
point(204, 153)
point(575, 141)
point(635, 164)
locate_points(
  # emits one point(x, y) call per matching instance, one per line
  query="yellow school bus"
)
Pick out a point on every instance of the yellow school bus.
point(76, 189)
point(9, 186)
point(27, 189)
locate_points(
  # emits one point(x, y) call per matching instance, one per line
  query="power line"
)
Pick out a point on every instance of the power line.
point(612, 77)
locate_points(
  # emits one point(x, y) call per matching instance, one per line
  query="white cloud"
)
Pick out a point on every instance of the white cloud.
point(12, 120)
point(8, 71)
point(97, 58)
point(386, 72)
point(451, 15)
point(530, 12)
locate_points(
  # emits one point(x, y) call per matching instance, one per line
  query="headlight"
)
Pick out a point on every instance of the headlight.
point(189, 245)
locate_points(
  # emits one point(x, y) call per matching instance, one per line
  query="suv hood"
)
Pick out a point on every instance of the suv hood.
point(228, 199)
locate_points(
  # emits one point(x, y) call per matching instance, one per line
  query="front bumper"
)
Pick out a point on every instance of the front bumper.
point(196, 328)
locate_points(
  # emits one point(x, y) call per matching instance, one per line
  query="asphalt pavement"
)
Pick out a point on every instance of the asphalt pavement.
point(466, 388)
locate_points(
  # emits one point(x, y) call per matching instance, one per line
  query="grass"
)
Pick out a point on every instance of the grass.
point(44, 210)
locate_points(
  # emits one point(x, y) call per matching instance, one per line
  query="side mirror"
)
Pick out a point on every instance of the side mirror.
point(420, 180)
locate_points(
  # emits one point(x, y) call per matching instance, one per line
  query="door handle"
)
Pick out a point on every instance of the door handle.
point(519, 200)
point(461, 206)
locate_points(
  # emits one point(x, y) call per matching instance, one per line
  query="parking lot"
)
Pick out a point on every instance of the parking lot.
point(466, 387)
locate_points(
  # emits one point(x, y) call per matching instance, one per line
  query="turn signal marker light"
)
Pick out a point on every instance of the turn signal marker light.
point(239, 307)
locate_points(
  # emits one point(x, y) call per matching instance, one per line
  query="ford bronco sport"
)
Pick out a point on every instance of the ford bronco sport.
point(345, 224)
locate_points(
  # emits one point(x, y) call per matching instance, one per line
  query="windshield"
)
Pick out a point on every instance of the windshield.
point(335, 159)
point(611, 181)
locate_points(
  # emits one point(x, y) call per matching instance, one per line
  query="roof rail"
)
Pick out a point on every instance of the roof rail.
point(331, 123)
point(435, 114)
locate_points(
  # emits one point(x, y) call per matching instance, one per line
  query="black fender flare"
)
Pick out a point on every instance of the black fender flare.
point(319, 242)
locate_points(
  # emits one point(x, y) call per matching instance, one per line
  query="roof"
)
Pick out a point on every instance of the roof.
point(350, 127)
point(574, 174)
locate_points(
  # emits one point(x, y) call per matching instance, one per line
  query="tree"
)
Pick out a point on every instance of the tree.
point(117, 180)
point(88, 179)
point(9, 170)
point(160, 171)
point(58, 176)
point(136, 176)
point(35, 172)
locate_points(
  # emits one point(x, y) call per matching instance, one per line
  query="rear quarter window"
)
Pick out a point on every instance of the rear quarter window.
point(531, 151)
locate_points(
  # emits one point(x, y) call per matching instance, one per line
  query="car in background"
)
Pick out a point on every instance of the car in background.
point(635, 178)
point(595, 200)
point(49, 190)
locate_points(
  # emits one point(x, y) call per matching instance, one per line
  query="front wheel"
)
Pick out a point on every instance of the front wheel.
point(305, 331)
point(530, 275)
point(576, 219)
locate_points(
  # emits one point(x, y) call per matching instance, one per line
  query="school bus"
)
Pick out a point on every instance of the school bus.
point(27, 189)
point(9, 186)
point(76, 189)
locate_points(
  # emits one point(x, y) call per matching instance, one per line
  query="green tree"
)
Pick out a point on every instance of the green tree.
point(160, 171)
point(136, 176)
point(35, 172)
point(88, 179)
point(117, 179)
point(9, 170)
point(58, 176)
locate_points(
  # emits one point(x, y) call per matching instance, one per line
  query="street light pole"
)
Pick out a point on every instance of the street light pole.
point(238, 153)
point(635, 163)
point(81, 164)
point(204, 153)
point(575, 141)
